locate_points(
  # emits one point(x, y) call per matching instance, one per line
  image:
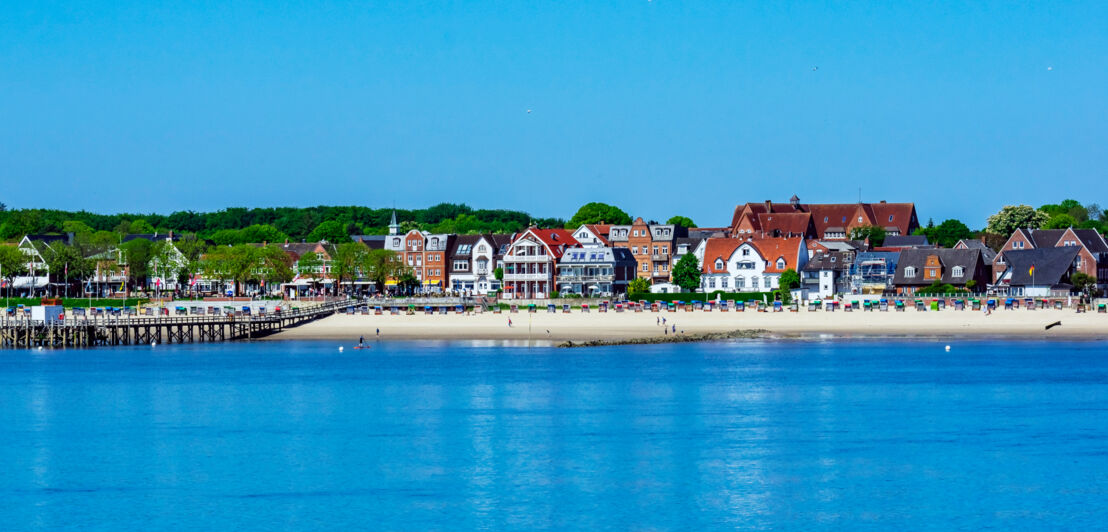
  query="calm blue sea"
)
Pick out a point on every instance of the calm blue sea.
point(426, 436)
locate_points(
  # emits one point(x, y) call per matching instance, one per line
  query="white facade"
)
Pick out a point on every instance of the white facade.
point(476, 273)
point(743, 271)
point(588, 238)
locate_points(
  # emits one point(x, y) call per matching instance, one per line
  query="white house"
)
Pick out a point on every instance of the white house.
point(749, 265)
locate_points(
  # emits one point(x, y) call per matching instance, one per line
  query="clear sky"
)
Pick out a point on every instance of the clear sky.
point(661, 107)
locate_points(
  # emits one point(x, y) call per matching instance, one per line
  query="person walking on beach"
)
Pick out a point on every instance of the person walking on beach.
point(657, 321)
point(663, 320)
point(378, 332)
point(509, 322)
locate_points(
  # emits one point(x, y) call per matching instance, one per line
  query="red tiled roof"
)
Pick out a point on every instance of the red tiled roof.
point(792, 223)
point(601, 231)
point(775, 248)
point(719, 248)
point(556, 240)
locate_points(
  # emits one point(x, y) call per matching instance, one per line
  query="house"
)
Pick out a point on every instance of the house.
point(920, 268)
point(593, 235)
point(1092, 257)
point(596, 271)
point(815, 247)
point(37, 276)
point(651, 244)
point(423, 252)
point(473, 261)
point(873, 271)
point(749, 265)
point(530, 262)
point(1040, 272)
point(166, 267)
point(826, 221)
point(370, 241)
point(308, 278)
point(828, 274)
point(685, 245)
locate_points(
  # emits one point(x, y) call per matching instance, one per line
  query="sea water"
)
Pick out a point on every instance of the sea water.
point(435, 436)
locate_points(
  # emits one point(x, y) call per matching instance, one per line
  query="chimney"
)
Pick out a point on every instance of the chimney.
point(769, 206)
point(882, 201)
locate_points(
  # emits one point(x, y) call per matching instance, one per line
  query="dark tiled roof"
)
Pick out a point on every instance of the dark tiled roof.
point(1045, 238)
point(1092, 240)
point(1052, 265)
point(832, 260)
point(970, 259)
point(905, 241)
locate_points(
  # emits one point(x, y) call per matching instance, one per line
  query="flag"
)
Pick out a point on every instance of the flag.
point(1032, 270)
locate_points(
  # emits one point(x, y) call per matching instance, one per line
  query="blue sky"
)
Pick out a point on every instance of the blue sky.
point(661, 107)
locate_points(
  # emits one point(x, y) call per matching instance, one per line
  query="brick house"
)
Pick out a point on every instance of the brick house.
point(530, 263)
point(652, 245)
point(920, 268)
point(1092, 259)
point(823, 221)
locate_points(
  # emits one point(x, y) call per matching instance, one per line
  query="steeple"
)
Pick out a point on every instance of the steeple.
point(393, 226)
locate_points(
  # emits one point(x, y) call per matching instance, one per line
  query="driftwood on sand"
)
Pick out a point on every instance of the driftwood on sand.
point(671, 339)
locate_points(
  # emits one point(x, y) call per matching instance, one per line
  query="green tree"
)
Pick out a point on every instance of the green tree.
point(76, 227)
point(1012, 217)
point(137, 255)
point(638, 285)
point(332, 231)
point(13, 262)
point(310, 265)
point(596, 212)
point(686, 273)
point(1070, 207)
point(789, 280)
point(1083, 284)
point(946, 234)
point(62, 258)
point(347, 261)
point(875, 234)
point(1060, 221)
point(141, 227)
point(273, 264)
point(683, 221)
point(380, 265)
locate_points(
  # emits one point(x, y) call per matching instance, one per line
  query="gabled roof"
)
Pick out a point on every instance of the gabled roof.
point(1092, 240)
point(555, 240)
point(1042, 238)
point(457, 247)
point(793, 223)
point(775, 248)
point(719, 248)
point(1052, 265)
point(970, 243)
point(969, 259)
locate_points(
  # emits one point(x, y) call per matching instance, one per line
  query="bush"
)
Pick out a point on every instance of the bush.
point(694, 296)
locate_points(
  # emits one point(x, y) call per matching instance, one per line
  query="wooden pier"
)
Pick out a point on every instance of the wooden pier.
point(20, 333)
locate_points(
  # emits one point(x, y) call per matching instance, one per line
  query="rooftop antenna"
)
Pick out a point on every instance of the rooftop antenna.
point(859, 194)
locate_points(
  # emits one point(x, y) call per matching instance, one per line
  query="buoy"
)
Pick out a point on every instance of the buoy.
point(40, 348)
point(154, 344)
point(340, 349)
point(948, 348)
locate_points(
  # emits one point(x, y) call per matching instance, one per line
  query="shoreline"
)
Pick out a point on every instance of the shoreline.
point(644, 328)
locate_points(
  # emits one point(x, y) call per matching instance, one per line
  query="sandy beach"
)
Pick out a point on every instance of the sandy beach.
point(577, 326)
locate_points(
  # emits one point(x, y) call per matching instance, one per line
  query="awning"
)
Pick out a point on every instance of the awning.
point(391, 282)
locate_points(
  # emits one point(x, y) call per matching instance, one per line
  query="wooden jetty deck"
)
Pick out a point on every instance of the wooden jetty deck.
point(21, 333)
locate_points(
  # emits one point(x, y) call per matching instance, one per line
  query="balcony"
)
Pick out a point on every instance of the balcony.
point(527, 258)
point(526, 277)
point(482, 271)
point(586, 278)
point(662, 257)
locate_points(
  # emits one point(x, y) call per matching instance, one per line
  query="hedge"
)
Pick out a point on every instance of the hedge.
point(698, 296)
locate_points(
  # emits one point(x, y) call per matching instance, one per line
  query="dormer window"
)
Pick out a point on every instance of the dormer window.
point(832, 259)
point(890, 217)
point(958, 271)
point(780, 264)
point(910, 271)
point(859, 219)
point(719, 264)
point(824, 219)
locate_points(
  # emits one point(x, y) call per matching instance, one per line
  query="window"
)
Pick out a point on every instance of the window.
point(910, 271)
point(665, 250)
point(754, 282)
point(832, 259)
point(890, 217)
point(635, 250)
point(859, 219)
point(780, 264)
point(746, 252)
point(824, 219)
point(719, 264)
point(396, 242)
point(665, 267)
point(723, 283)
point(711, 282)
point(655, 250)
point(644, 267)
point(740, 282)
point(958, 271)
